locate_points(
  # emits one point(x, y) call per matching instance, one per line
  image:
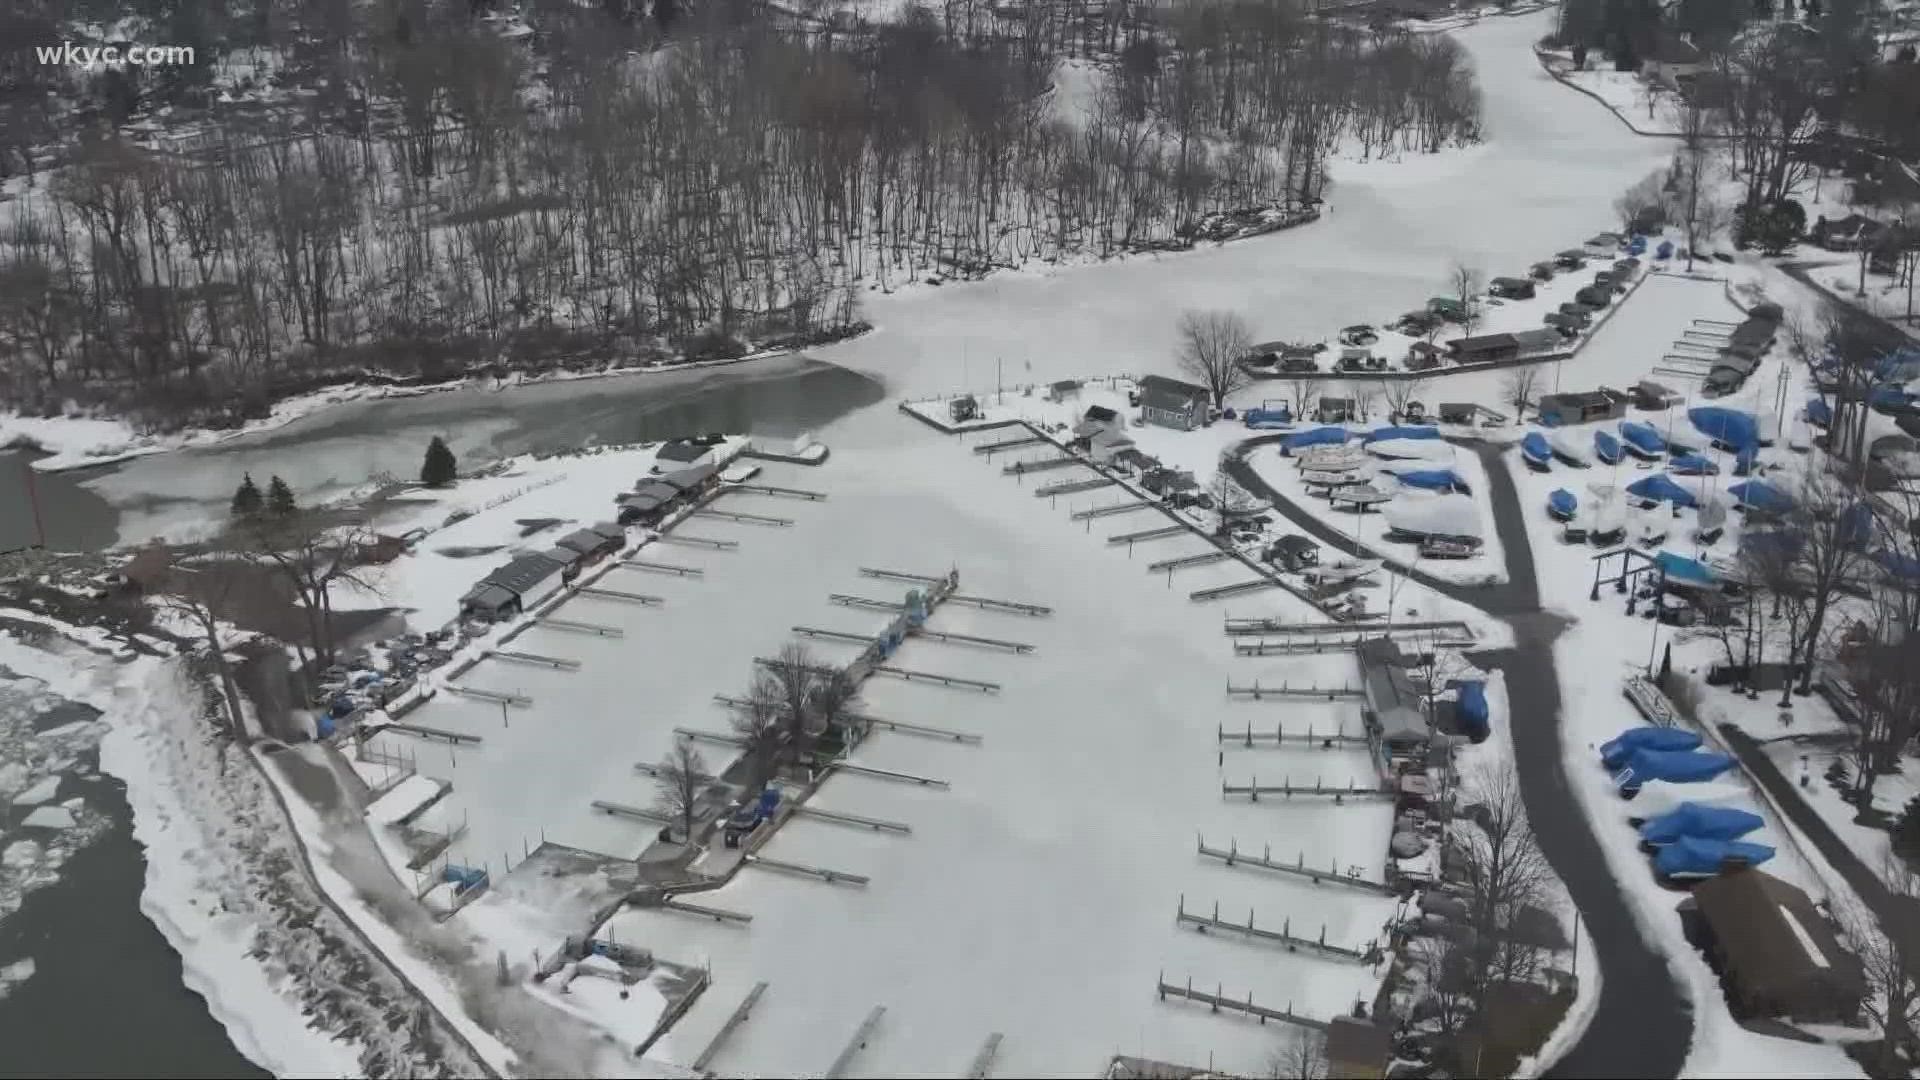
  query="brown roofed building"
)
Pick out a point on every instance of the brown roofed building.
point(1357, 1049)
point(1774, 950)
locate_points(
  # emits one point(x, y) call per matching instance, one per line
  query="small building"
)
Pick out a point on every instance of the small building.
point(489, 601)
point(1458, 412)
point(1583, 407)
point(1538, 341)
point(1063, 390)
point(657, 489)
point(1357, 1049)
point(570, 561)
point(589, 544)
point(642, 508)
point(681, 454)
point(1484, 349)
point(1673, 57)
point(1654, 396)
point(1422, 356)
point(1336, 410)
point(1776, 954)
point(381, 548)
point(1164, 481)
point(528, 579)
point(1108, 444)
point(1850, 233)
point(1172, 403)
point(693, 480)
point(1511, 288)
point(1096, 419)
point(1752, 337)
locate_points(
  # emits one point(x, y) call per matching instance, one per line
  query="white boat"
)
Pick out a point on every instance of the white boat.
point(1343, 570)
point(1331, 458)
point(1435, 515)
point(1650, 526)
point(1659, 797)
point(1322, 478)
point(1572, 445)
point(1422, 449)
point(1605, 519)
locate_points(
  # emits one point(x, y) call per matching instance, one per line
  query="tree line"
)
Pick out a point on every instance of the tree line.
point(439, 197)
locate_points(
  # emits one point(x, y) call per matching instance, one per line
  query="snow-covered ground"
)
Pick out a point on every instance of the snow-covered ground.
point(1033, 897)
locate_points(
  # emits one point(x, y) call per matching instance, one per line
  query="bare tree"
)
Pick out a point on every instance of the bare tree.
point(1304, 1057)
point(1505, 870)
point(1230, 501)
point(1890, 962)
point(1517, 389)
point(681, 781)
point(760, 723)
point(1399, 394)
point(1645, 193)
point(1834, 534)
point(797, 674)
point(836, 697)
point(313, 555)
point(1466, 283)
point(1306, 392)
point(1212, 344)
point(202, 593)
point(1696, 207)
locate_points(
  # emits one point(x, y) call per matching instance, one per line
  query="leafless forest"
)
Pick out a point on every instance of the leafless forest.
point(416, 189)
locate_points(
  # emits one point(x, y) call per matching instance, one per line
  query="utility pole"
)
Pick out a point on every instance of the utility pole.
point(33, 500)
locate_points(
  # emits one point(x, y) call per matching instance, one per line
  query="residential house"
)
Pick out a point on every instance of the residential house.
point(1172, 403)
point(1581, 407)
point(1775, 952)
point(1108, 444)
point(1672, 58)
point(681, 454)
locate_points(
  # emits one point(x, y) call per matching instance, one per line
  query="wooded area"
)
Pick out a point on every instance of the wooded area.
point(419, 189)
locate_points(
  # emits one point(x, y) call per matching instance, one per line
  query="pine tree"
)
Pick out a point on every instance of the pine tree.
point(246, 499)
point(439, 468)
point(280, 499)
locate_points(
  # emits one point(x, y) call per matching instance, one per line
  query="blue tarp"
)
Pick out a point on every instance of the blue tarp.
point(1905, 567)
point(1743, 461)
point(1898, 366)
point(1320, 436)
point(1888, 399)
point(1692, 465)
point(1618, 749)
point(1673, 766)
point(1471, 708)
point(1561, 503)
point(1728, 427)
point(1434, 480)
point(1641, 438)
point(1263, 417)
point(1680, 570)
point(1762, 496)
point(1535, 449)
point(1690, 857)
point(1381, 434)
point(1664, 251)
point(1660, 488)
point(1855, 527)
point(1638, 246)
point(1606, 447)
point(1819, 413)
point(1700, 822)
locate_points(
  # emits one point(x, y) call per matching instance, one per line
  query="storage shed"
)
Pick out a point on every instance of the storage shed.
point(1775, 952)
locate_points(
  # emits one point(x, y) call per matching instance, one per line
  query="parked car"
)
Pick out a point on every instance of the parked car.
point(1360, 334)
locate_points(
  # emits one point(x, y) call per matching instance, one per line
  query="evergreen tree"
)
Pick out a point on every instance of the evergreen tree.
point(439, 469)
point(280, 499)
point(246, 499)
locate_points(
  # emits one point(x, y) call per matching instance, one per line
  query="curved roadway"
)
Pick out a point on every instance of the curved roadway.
point(1642, 1025)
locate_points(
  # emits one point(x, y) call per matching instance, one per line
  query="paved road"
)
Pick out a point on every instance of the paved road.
point(1642, 1025)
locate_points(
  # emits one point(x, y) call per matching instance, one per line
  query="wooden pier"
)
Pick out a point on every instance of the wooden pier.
point(1201, 558)
point(456, 738)
point(1233, 856)
point(709, 736)
point(558, 663)
point(1218, 1000)
point(738, 1017)
point(577, 627)
point(951, 638)
point(744, 519)
point(647, 768)
point(518, 701)
point(1279, 736)
point(1295, 648)
point(783, 492)
point(866, 602)
point(1285, 692)
point(717, 914)
point(662, 568)
point(902, 575)
point(1021, 468)
point(1283, 937)
point(886, 774)
point(954, 681)
point(1238, 588)
point(1254, 789)
point(856, 820)
point(622, 595)
point(927, 730)
point(1072, 487)
point(653, 817)
point(1008, 444)
point(835, 635)
point(1164, 532)
point(699, 542)
point(1011, 607)
point(1110, 510)
point(983, 1061)
point(831, 877)
point(1280, 628)
point(856, 1044)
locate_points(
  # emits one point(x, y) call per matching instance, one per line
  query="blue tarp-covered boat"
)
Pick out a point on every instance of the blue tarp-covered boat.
point(1660, 488)
point(1692, 465)
point(1642, 440)
point(1617, 750)
point(1819, 413)
point(1433, 480)
point(1744, 461)
point(1689, 857)
point(1731, 428)
point(1320, 436)
point(1419, 432)
point(1673, 766)
point(1471, 709)
point(1561, 504)
point(1535, 451)
point(1262, 417)
point(1762, 496)
point(1700, 822)
point(1606, 447)
point(1680, 570)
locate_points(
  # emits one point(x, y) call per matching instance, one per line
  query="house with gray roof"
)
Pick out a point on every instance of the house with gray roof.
point(1172, 403)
